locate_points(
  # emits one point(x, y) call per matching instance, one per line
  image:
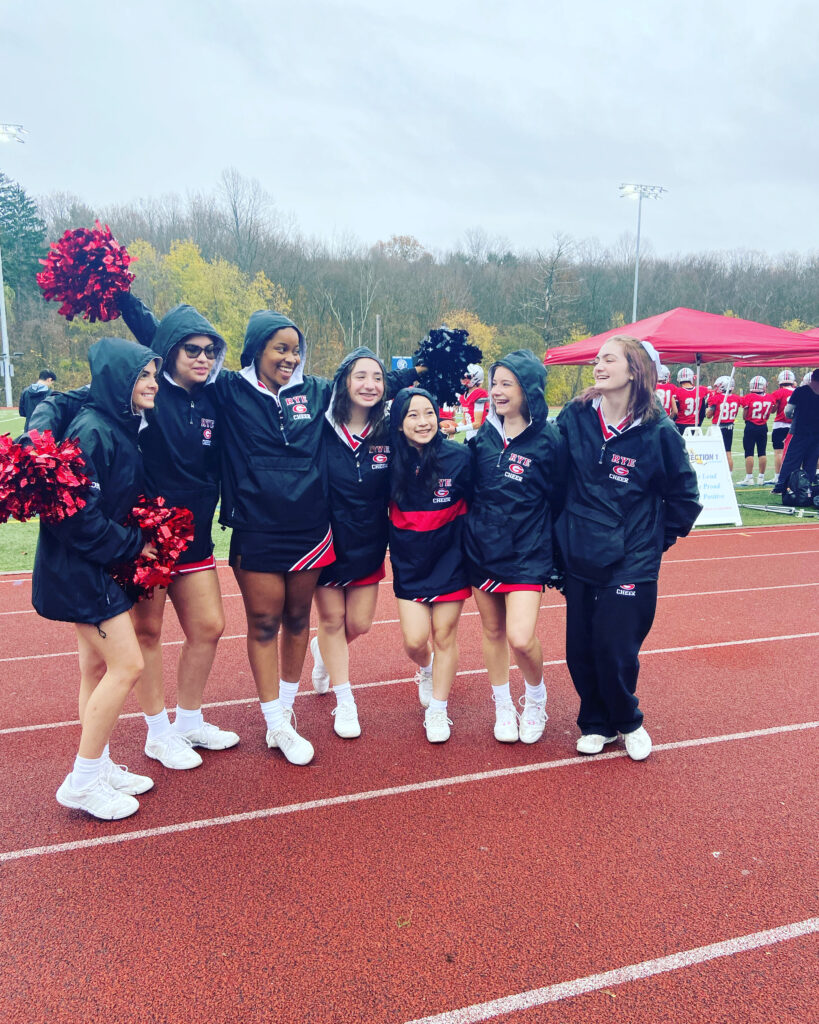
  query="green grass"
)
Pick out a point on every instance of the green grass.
point(19, 540)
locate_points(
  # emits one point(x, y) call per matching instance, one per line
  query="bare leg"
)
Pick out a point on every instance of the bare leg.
point(299, 589)
point(492, 608)
point(344, 614)
point(198, 603)
point(416, 623)
point(263, 596)
point(147, 618)
point(115, 646)
point(445, 644)
point(522, 609)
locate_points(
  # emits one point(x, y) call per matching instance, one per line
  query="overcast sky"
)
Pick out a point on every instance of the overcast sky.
point(433, 117)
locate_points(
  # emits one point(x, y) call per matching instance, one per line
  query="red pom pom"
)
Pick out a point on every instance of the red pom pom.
point(85, 271)
point(170, 531)
point(41, 478)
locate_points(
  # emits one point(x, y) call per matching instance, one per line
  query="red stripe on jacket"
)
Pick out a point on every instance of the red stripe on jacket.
point(425, 521)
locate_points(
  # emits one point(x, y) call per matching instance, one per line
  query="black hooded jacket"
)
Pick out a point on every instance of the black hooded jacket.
point(630, 495)
point(180, 443)
point(70, 582)
point(517, 484)
point(359, 484)
point(426, 522)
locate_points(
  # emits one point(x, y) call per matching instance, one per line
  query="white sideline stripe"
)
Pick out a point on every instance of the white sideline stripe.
point(621, 975)
point(729, 558)
point(376, 794)
point(543, 607)
point(409, 679)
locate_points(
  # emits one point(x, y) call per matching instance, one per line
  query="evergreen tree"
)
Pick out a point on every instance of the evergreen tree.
point(22, 237)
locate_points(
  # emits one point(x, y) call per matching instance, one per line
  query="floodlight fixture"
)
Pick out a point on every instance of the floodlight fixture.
point(629, 190)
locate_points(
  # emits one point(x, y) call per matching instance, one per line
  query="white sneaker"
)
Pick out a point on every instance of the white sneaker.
point(747, 482)
point(295, 748)
point(119, 778)
point(99, 799)
point(760, 479)
point(173, 750)
point(533, 720)
point(638, 744)
point(423, 677)
point(593, 743)
point(437, 725)
point(345, 720)
point(211, 737)
point(319, 675)
point(289, 719)
point(506, 721)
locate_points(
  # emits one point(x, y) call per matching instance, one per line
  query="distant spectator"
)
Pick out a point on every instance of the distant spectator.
point(31, 396)
point(802, 450)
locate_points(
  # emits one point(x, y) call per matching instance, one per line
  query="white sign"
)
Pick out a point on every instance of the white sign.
point(710, 463)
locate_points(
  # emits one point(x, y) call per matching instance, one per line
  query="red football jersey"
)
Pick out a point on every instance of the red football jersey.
point(724, 416)
point(782, 396)
point(468, 403)
point(665, 392)
point(757, 408)
point(687, 404)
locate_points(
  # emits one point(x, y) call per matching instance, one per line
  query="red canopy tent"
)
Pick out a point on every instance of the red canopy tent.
point(688, 335)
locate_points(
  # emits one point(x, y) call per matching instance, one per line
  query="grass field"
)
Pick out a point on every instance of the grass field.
point(19, 540)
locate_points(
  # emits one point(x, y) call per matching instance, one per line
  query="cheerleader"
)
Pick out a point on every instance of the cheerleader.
point(70, 582)
point(430, 486)
point(631, 492)
point(508, 540)
point(357, 451)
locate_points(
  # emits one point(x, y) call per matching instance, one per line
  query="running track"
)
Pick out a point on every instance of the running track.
point(393, 881)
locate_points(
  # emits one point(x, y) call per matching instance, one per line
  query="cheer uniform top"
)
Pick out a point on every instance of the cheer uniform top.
point(70, 582)
point(180, 445)
point(426, 522)
point(631, 492)
point(508, 537)
point(359, 487)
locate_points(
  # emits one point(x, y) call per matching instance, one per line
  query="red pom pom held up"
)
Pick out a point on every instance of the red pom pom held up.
point(85, 271)
point(170, 531)
point(41, 478)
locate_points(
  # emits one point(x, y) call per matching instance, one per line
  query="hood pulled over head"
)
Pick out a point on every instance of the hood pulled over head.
point(262, 325)
point(398, 409)
point(115, 367)
point(183, 322)
point(344, 368)
point(531, 374)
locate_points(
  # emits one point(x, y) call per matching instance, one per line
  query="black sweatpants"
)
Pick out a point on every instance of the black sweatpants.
point(605, 628)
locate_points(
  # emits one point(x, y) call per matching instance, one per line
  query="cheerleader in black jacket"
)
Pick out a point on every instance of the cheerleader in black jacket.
point(71, 583)
point(631, 493)
point(518, 474)
point(357, 452)
point(430, 487)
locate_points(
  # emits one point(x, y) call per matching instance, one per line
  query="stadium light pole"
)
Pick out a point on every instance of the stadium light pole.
point(8, 133)
point(630, 191)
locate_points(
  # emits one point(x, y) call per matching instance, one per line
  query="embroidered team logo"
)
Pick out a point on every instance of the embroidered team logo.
point(518, 464)
point(443, 495)
point(207, 426)
point(379, 459)
point(298, 406)
point(517, 470)
point(442, 492)
point(627, 590)
point(621, 465)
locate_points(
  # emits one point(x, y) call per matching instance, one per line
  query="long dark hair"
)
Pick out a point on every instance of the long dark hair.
point(642, 401)
point(342, 406)
point(411, 467)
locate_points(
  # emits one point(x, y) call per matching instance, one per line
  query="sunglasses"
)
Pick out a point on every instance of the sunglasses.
point(194, 351)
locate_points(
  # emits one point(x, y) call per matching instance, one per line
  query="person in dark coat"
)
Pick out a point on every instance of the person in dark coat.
point(802, 448)
point(518, 472)
point(631, 492)
point(35, 393)
point(431, 484)
point(71, 583)
point(357, 447)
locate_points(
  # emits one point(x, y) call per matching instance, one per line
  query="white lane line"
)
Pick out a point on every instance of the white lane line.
point(407, 679)
point(661, 597)
point(633, 972)
point(376, 794)
point(730, 558)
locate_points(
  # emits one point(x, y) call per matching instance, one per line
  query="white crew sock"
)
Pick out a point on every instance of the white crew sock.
point(158, 725)
point(344, 694)
point(437, 705)
point(287, 693)
point(273, 713)
point(536, 694)
point(427, 669)
point(86, 771)
point(187, 721)
point(502, 694)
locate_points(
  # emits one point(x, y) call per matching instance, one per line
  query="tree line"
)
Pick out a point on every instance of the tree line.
point(230, 251)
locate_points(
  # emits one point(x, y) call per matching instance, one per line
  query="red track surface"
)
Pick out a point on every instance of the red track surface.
point(323, 894)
